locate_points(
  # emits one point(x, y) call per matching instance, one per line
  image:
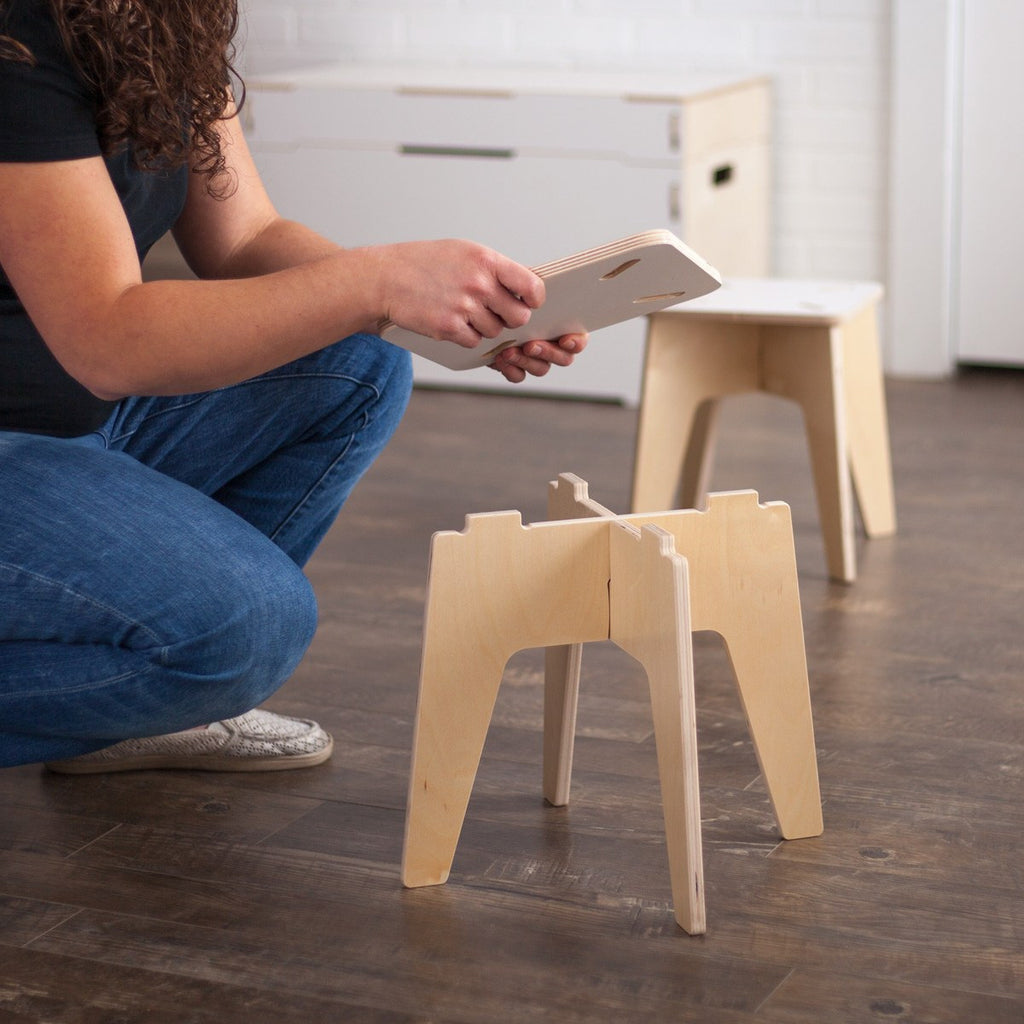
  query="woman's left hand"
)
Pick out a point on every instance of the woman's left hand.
point(537, 357)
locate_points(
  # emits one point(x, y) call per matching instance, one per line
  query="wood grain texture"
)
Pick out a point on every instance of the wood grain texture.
point(168, 897)
point(815, 343)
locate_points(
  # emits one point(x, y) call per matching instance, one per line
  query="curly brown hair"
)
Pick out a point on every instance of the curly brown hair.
point(161, 71)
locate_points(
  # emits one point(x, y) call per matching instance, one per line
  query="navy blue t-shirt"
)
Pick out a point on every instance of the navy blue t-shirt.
point(47, 113)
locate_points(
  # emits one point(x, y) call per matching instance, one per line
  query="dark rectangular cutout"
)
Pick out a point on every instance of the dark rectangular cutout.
point(479, 152)
point(722, 175)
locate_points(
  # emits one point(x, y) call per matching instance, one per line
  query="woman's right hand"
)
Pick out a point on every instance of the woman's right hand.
point(454, 290)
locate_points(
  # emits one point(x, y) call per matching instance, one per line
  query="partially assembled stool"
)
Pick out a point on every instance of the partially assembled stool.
point(813, 342)
point(645, 582)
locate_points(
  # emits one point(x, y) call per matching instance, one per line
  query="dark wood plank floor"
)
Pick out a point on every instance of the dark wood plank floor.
point(176, 897)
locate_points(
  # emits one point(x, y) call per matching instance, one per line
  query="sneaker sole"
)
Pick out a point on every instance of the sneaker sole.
point(194, 763)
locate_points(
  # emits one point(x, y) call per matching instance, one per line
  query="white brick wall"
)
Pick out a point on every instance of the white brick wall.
point(829, 60)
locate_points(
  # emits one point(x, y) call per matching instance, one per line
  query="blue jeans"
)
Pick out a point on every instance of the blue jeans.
point(150, 573)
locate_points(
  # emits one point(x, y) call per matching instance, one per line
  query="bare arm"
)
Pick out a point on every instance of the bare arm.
point(261, 242)
point(270, 291)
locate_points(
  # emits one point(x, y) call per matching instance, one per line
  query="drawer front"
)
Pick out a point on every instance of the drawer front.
point(597, 126)
point(535, 209)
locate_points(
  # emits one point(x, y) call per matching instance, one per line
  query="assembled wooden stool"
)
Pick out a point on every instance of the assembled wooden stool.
point(645, 582)
point(813, 342)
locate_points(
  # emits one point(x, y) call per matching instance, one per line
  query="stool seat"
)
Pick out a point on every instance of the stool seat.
point(813, 342)
point(783, 301)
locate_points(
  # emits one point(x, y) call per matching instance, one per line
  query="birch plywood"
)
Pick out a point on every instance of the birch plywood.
point(774, 300)
point(499, 587)
point(606, 285)
point(650, 619)
point(812, 342)
point(495, 589)
point(743, 586)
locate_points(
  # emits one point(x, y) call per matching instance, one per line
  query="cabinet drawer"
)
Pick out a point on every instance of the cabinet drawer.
point(535, 209)
point(615, 127)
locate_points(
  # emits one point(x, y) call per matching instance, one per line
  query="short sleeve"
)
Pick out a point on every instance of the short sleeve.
point(46, 111)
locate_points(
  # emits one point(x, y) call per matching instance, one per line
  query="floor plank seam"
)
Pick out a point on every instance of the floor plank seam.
point(76, 911)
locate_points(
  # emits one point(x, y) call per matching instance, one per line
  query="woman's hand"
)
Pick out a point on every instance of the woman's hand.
point(537, 357)
point(453, 290)
point(464, 293)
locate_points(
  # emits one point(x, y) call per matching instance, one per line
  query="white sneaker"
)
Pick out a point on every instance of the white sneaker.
point(258, 741)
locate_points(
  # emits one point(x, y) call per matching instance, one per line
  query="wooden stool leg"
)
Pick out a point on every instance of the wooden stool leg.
point(868, 425)
point(460, 673)
point(494, 589)
point(568, 498)
point(688, 364)
point(695, 478)
point(459, 683)
point(744, 586)
point(561, 695)
point(650, 620)
point(805, 364)
point(451, 726)
point(765, 641)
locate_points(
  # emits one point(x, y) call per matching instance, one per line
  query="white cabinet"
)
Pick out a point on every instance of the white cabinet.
point(535, 165)
point(990, 327)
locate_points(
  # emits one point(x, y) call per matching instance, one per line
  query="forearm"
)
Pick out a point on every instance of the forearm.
point(172, 337)
point(279, 245)
point(269, 290)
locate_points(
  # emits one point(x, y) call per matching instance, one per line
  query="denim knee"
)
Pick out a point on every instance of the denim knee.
point(384, 372)
point(256, 633)
point(397, 383)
